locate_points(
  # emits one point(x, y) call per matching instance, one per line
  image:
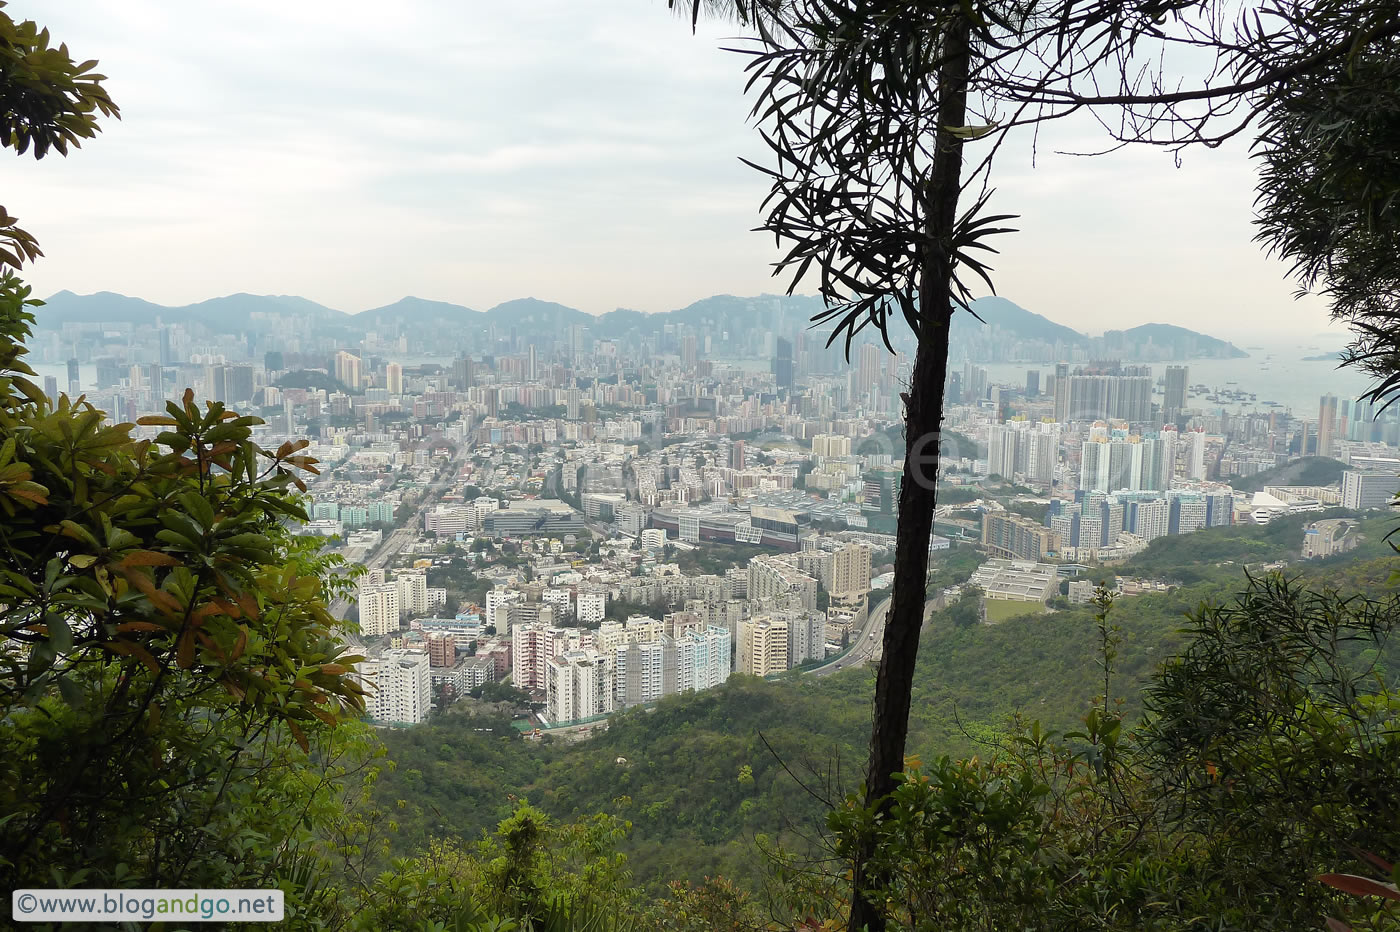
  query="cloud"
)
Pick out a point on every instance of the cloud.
point(353, 153)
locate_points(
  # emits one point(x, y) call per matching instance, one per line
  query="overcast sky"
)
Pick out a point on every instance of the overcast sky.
point(585, 153)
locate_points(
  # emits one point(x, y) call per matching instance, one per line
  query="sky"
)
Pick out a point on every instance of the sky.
point(585, 153)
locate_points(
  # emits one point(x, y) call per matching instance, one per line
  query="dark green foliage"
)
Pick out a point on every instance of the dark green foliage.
point(716, 558)
point(312, 379)
point(1310, 470)
point(1281, 698)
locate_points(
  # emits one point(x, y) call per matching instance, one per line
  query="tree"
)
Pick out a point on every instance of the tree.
point(168, 662)
point(868, 106)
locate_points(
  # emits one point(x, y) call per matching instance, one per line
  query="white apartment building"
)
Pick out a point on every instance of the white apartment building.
point(398, 686)
point(496, 598)
point(379, 609)
point(772, 577)
point(592, 606)
point(413, 592)
point(639, 629)
point(806, 636)
point(578, 684)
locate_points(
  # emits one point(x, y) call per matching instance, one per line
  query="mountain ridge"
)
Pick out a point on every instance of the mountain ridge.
point(1001, 320)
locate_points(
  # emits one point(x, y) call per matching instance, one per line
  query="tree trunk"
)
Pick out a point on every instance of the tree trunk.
point(923, 419)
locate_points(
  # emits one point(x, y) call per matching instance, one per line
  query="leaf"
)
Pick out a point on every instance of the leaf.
point(148, 558)
point(1360, 886)
point(129, 649)
point(300, 737)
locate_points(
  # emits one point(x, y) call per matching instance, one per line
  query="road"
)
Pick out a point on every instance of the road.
point(865, 648)
point(402, 536)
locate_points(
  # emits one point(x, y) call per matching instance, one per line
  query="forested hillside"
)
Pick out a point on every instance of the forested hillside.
point(701, 776)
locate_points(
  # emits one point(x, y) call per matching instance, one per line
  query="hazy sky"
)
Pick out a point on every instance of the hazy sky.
point(585, 153)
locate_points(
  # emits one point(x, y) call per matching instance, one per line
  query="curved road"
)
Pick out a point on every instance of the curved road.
point(864, 647)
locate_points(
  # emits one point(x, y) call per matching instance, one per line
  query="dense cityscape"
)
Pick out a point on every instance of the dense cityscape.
point(601, 518)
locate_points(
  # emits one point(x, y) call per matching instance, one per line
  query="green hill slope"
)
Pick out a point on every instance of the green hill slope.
point(679, 774)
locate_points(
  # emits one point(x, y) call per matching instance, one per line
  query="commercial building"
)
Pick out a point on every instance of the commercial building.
point(1016, 537)
point(1365, 490)
point(537, 516)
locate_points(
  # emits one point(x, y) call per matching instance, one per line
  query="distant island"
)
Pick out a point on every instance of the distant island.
point(1334, 356)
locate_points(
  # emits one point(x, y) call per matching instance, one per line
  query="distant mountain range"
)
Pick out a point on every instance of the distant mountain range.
point(1007, 332)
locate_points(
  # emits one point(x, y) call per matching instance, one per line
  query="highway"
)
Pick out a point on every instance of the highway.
point(865, 648)
point(405, 534)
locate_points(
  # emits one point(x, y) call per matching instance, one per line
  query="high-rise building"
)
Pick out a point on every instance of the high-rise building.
point(736, 456)
point(75, 382)
point(831, 445)
point(689, 351)
point(592, 605)
point(533, 643)
point(379, 609)
point(782, 363)
point(1365, 490)
point(398, 686)
point(462, 376)
point(850, 571)
point(1016, 537)
point(51, 388)
point(806, 636)
point(393, 378)
point(347, 369)
point(1174, 396)
point(1033, 383)
point(442, 649)
point(238, 384)
point(1196, 455)
point(1326, 424)
point(579, 684)
point(413, 591)
point(774, 578)
point(1111, 465)
point(868, 368)
point(763, 645)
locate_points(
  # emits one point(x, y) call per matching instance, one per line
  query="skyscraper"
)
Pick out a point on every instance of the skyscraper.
point(1174, 397)
point(1326, 424)
point(782, 363)
point(1033, 383)
point(347, 369)
point(75, 383)
point(393, 378)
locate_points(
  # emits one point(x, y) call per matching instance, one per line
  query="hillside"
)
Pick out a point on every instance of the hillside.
point(1176, 342)
point(1310, 470)
point(1004, 327)
point(681, 781)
